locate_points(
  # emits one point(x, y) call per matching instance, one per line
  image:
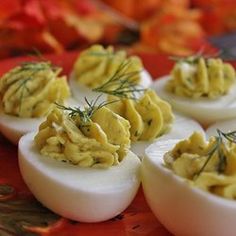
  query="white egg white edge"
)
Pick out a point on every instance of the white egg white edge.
point(154, 155)
point(13, 127)
point(80, 91)
point(224, 126)
point(182, 128)
point(108, 191)
point(146, 79)
point(204, 110)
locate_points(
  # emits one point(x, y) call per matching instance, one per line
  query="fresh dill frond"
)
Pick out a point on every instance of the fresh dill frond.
point(26, 72)
point(28, 69)
point(230, 136)
point(36, 54)
point(35, 66)
point(121, 83)
point(218, 149)
point(85, 113)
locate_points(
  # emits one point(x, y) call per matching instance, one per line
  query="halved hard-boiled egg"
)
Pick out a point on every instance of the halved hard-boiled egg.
point(203, 89)
point(86, 167)
point(182, 208)
point(204, 110)
point(79, 193)
point(28, 92)
point(97, 65)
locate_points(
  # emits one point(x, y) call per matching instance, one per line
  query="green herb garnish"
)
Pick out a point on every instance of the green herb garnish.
point(26, 67)
point(31, 68)
point(218, 148)
point(23, 74)
point(121, 83)
point(85, 113)
point(35, 53)
point(35, 66)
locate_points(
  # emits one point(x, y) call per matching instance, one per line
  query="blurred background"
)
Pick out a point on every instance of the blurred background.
point(172, 27)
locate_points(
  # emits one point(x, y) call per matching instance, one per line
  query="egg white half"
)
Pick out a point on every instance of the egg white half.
point(80, 91)
point(81, 194)
point(205, 110)
point(181, 208)
point(182, 127)
point(225, 126)
point(13, 127)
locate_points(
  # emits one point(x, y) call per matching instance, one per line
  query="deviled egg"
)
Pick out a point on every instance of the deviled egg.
point(151, 119)
point(190, 185)
point(27, 93)
point(97, 65)
point(79, 164)
point(203, 89)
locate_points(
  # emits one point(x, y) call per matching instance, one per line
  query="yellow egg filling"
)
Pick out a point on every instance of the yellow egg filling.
point(210, 166)
point(96, 65)
point(101, 140)
point(200, 77)
point(31, 89)
point(149, 116)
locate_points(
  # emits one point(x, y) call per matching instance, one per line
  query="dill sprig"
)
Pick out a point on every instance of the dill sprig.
point(30, 68)
point(85, 113)
point(121, 84)
point(35, 53)
point(35, 66)
point(218, 149)
point(195, 57)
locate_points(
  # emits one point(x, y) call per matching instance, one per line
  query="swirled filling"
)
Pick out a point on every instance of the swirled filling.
point(96, 65)
point(31, 89)
point(149, 116)
point(199, 77)
point(100, 141)
point(210, 166)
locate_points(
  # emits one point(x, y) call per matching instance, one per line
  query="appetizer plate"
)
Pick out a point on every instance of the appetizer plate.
point(137, 219)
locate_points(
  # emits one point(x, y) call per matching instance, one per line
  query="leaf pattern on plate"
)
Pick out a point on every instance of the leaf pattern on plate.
point(17, 214)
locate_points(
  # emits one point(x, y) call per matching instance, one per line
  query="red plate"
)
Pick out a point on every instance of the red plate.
point(20, 213)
